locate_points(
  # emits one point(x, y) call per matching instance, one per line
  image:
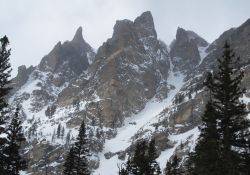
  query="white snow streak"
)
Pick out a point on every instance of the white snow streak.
point(203, 53)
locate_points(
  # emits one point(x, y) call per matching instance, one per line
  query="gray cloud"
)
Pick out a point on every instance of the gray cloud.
point(35, 26)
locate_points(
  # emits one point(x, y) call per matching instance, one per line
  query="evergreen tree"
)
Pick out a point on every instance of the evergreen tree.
point(247, 159)
point(53, 136)
point(5, 70)
point(58, 133)
point(143, 161)
point(138, 162)
point(82, 152)
point(153, 166)
point(62, 133)
point(123, 170)
point(205, 159)
point(67, 142)
point(4, 90)
point(233, 124)
point(15, 137)
point(79, 153)
point(222, 146)
point(173, 167)
point(69, 165)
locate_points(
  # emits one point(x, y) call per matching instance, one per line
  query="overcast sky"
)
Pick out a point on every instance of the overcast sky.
point(35, 26)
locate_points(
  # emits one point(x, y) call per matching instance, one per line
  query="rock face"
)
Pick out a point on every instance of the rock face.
point(22, 76)
point(67, 60)
point(132, 88)
point(239, 41)
point(128, 68)
point(184, 52)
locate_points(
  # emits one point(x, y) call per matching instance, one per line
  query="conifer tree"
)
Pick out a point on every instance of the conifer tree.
point(233, 124)
point(173, 167)
point(222, 147)
point(69, 165)
point(53, 136)
point(62, 133)
point(67, 142)
point(79, 153)
point(4, 90)
point(153, 166)
point(143, 161)
point(82, 152)
point(247, 159)
point(123, 169)
point(206, 157)
point(5, 70)
point(15, 137)
point(138, 162)
point(58, 132)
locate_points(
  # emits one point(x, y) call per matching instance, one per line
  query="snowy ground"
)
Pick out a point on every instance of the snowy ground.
point(246, 100)
point(191, 135)
point(123, 138)
point(203, 53)
point(24, 173)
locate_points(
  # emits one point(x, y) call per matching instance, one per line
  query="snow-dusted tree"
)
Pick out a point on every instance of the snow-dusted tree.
point(223, 144)
point(143, 161)
point(153, 166)
point(69, 165)
point(123, 170)
point(15, 138)
point(5, 70)
point(53, 136)
point(206, 157)
point(62, 133)
point(173, 167)
point(138, 162)
point(79, 155)
point(67, 142)
point(58, 132)
point(82, 152)
point(231, 113)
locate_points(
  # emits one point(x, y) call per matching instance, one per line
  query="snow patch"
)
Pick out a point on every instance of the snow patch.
point(203, 53)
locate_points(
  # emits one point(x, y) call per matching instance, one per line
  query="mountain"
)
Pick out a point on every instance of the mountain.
point(133, 87)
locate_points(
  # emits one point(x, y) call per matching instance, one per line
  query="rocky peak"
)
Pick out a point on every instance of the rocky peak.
point(122, 28)
point(139, 34)
point(141, 27)
point(22, 76)
point(185, 50)
point(145, 24)
point(183, 35)
point(245, 24)
point(78, 38)
point(69, 59)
